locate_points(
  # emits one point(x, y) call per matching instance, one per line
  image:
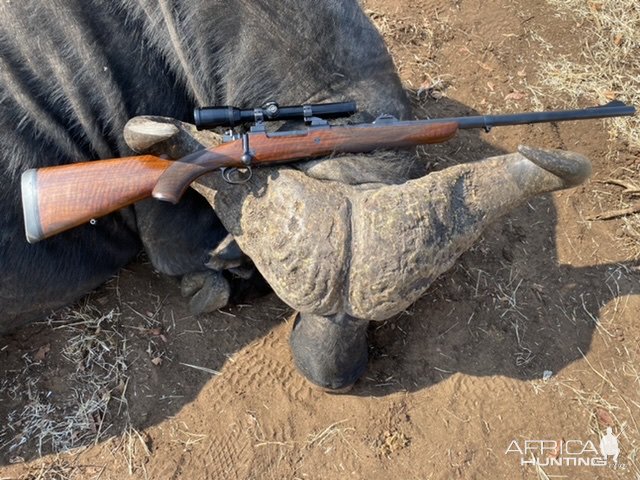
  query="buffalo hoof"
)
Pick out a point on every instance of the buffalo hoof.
point(331, 352)
point(208, 290)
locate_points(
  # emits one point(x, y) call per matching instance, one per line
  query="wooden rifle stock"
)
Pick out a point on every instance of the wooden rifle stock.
point(55, 199)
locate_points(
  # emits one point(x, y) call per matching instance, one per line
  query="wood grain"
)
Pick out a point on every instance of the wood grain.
point(319, 142)
point(66, 196)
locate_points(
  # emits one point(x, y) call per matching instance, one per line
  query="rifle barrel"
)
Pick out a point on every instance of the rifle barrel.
point(612, 109)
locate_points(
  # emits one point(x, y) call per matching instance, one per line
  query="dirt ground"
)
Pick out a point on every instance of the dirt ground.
point(533, 335)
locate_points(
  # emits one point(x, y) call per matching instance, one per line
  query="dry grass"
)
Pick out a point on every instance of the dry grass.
point(326, 438)
point(616, 201)
point(78, 413)
point(329, 439)
point(63, 468)
point(607, 406)
point(608, 67)
point(414, 44)
point(56, 418)
point(133, 448)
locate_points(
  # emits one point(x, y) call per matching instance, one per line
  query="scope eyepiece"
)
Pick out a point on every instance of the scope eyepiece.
point(211, 117)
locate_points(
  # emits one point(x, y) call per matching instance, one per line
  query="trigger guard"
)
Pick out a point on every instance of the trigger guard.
point(241, 175)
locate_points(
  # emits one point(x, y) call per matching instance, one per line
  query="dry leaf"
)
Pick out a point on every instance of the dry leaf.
point(604, 418)
point(157, 361)
point(515, 95)
point(42, 352)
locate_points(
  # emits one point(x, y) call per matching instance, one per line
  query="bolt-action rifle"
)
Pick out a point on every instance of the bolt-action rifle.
point(62, 197)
